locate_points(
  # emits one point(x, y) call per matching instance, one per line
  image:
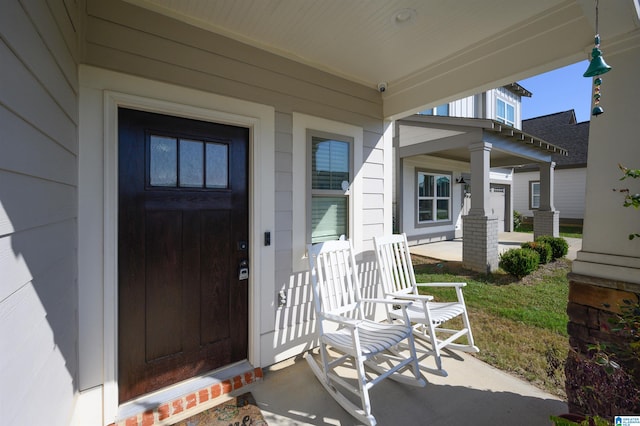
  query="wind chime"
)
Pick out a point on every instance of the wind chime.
point(597, 67)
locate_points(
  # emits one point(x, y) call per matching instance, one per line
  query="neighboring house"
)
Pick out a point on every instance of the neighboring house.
point(158, 183)
point(560, 129)
point(435, 189)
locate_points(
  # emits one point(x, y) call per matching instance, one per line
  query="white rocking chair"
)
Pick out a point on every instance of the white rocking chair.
point(343, 327)
point(399, 283)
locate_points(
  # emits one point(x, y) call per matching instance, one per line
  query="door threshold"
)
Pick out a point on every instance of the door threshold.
point(160, 406)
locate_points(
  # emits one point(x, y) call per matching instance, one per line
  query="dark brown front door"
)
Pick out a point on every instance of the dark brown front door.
point(182, 235)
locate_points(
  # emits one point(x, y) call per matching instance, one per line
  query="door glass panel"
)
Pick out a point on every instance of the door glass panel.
point(217, 165)
point(163, 161)
point(191, 164)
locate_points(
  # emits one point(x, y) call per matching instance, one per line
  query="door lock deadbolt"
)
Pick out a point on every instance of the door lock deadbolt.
point(243, 270)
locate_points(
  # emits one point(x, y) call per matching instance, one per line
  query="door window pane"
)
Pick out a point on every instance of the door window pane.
point(328, 218)
point(217, 165)
point(191, 164)
point(163, 161)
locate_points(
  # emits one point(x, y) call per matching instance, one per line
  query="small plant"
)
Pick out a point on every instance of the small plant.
point(630, 200)
point(599, 386)
point(519, 262)
point(517, 220)
point(559, 246)
point(542, 248)
point(577, 420)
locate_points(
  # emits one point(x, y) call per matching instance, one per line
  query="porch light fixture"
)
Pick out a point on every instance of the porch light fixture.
point(596, 68)
point(461, 180)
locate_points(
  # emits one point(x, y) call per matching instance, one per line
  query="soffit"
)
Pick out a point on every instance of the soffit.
point(440, 42)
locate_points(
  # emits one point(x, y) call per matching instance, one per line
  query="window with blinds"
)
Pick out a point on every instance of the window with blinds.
point(331, 174)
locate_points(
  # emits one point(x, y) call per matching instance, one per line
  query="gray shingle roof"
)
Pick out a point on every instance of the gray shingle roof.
point(562, 130)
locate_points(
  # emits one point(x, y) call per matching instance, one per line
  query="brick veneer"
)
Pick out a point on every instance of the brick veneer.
point(191, 402)
point(480, 245)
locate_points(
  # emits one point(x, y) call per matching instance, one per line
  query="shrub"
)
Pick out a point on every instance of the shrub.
point(543, 249)
point(559, 246)
point(517, 220)
point(519, 262)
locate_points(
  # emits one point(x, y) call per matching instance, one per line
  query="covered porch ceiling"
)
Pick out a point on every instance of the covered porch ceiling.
point(450, 137)
point(427, 51)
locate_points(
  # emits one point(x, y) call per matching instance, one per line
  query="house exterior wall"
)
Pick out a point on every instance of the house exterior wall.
point(569, 192)
point(420, 234)
point(132, 51)
point(38, 212)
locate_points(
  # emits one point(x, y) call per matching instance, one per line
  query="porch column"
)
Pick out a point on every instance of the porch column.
point(480, 230)
point(546, 220)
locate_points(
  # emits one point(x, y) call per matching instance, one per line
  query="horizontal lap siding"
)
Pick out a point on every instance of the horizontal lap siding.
point(38, 209)
point(128, 39)
point(569, 192)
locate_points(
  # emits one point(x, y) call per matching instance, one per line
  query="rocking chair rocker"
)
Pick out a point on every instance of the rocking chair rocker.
point(343, 327)
point(399, 283)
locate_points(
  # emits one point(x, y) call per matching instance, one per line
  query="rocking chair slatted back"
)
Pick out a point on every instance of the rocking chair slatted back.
point(398, 273)
point(338, 290)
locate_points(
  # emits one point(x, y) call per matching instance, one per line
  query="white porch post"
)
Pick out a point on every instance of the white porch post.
point(546, 220)
point(480, 165)
point(480, 239)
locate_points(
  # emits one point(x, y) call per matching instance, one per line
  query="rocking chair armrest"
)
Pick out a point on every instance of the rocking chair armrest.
point(348, 322)
point(387, 301)
point(405, 296)
point(441, 284)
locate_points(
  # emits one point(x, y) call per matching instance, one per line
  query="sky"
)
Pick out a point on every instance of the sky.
point(561, 90)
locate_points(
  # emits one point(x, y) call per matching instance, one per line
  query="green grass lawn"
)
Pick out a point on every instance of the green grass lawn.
point(565, 231)
point(520, 326)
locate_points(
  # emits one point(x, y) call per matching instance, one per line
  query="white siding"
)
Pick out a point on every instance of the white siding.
point(38, 209)
point(137, 42)
point(569, 192)
point(465, 108)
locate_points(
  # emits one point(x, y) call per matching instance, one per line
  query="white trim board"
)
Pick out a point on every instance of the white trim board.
point(102, 92)
point(302, 123)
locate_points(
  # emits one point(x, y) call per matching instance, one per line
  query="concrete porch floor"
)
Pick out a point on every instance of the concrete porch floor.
point(452, 250)
point(474, 393)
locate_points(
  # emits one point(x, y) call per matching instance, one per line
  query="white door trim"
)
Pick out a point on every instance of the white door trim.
point(104, 92)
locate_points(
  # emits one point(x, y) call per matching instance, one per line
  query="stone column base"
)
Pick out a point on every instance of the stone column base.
point(592, 303)
point(480, 243)
point(546, 222)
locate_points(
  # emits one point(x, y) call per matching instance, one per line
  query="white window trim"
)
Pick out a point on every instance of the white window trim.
point(504, 119)
point(321, 192)
point(435, 198)
point(531, 204)
point(302, 123)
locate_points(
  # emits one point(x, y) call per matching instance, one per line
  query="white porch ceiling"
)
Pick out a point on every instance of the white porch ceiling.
point(439, 52)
